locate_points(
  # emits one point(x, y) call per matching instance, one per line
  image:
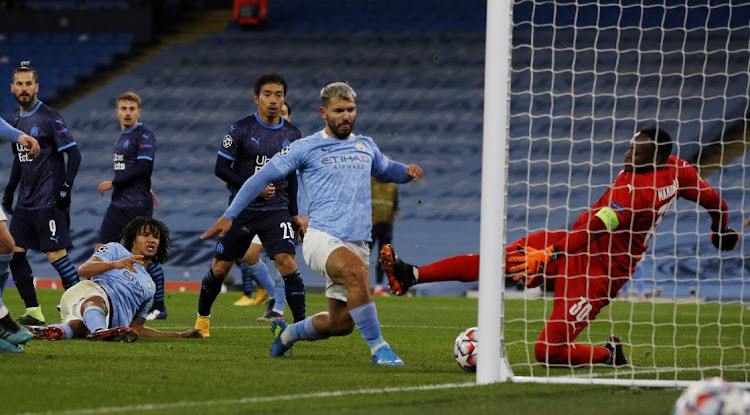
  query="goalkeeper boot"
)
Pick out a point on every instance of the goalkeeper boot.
point(387, 357)
point(244, 301)
point(47, 333)
point(204, 324)
point(616, 355)
point(32, 317)
point(116, 334)
point(400, 274)
point(277, 347)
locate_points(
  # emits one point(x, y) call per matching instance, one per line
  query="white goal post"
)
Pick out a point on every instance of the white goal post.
point(567, 85)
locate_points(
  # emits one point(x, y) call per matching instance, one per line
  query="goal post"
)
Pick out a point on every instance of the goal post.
point(567, 85)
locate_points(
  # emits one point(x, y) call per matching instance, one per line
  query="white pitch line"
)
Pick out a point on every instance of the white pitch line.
point(250, 400)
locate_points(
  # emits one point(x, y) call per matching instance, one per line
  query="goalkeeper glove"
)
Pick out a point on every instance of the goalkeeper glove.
point(63, 196)
point(8, 200)
point(531, 264)
point(726, 239)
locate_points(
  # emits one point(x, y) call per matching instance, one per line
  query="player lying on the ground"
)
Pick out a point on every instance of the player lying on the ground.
point(597, 256)
point(116, 288)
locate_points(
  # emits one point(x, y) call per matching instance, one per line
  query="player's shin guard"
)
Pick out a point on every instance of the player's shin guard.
point(24, 279)
point(366, 319)
point(262, 276)
point(279, 293)
point(295, 295)
point(67, 271)
point(210, 289)
point(4, 272)
point(157, 275)
point(304, 330)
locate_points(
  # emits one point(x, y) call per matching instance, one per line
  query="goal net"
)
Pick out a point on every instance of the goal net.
point(584, 78)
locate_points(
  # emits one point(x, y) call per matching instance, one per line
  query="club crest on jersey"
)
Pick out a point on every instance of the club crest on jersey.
point(227, 141)
point(34, 131)
point(360, 145)
point(103, 249)
point(284, 151)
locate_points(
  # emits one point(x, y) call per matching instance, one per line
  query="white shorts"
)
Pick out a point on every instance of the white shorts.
point(2, 215)
point(75, 296)
point(256, 240)
point(318, 247)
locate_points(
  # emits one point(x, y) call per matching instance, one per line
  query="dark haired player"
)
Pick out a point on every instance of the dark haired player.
point(248, 146)
point(112, 303)
point(590, 263)
point(41, 218)
point(131, 195)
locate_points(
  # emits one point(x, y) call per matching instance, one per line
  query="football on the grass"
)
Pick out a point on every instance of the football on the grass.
point(465, 349)
point(713, 396)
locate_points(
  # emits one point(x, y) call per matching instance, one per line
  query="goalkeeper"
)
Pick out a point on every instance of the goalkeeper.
point(598, 256)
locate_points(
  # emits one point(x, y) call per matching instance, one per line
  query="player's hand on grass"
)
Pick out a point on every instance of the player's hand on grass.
point(29, 143)
point(192, 334)
point(8, 200)
point(531, 263)
point(415, 172)
point(128, 262)
point(726, 239)
point(104, 186)
point(63, 196)
point(221, 227)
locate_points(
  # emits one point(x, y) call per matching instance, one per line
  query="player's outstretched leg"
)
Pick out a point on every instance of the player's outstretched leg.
point(616, 355)
point(400, 274)
point(47, 333)
point(116, 334)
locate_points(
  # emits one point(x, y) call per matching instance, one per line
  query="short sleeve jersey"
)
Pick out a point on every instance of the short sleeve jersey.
point(640, 202)
point(130, 293)
point(136, 143)
point(249, 144)
point(336, 174)
point(42, 176)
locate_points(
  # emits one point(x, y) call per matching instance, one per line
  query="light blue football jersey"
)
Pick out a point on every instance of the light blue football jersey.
point(130, 293)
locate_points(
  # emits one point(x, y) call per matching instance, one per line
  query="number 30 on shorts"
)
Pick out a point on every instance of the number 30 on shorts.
point(581, 309)
point(286, 230)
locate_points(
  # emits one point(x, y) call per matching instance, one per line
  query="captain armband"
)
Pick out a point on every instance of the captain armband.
point(609, 217)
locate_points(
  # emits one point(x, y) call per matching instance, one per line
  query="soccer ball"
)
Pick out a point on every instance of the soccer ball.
point(714, 396)
point(465, 349)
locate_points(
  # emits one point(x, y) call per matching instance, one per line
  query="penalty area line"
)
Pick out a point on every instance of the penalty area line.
point(251, 400)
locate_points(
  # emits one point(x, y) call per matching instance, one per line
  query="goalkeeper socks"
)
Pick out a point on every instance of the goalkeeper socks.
point(210, 289)
point(24, 279)
point(295, 295)
point(463, 268)
point(157, 274)
point(67, 271)
point(302, 330)
point(247, 278)
point(94, 319)
point(66, 328)
point(366, 319)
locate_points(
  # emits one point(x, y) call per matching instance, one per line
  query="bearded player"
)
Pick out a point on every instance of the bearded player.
point(597, 256)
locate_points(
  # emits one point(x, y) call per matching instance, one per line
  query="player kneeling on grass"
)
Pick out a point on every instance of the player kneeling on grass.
point(116, 288)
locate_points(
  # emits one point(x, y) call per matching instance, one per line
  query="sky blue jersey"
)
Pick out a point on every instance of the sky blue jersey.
point(130, 293)
point(8, 133)
point(336, 174)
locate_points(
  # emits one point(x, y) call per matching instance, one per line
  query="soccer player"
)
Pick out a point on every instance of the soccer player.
point(247, 147)
point(335, 165)
point(11, 334)
point(113, 301)
point(384, 208)
point(590, 263)
point(253, 269)
point(41, 218)
point(131, 188)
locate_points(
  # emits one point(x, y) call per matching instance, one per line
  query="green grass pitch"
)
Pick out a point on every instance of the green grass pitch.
point(232, 372)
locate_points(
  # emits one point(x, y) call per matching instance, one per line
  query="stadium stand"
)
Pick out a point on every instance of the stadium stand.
point(418, 69)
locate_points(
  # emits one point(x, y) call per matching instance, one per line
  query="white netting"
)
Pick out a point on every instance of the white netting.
point(585, 77)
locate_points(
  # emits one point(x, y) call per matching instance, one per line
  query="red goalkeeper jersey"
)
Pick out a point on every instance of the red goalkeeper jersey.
point(618, 227)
